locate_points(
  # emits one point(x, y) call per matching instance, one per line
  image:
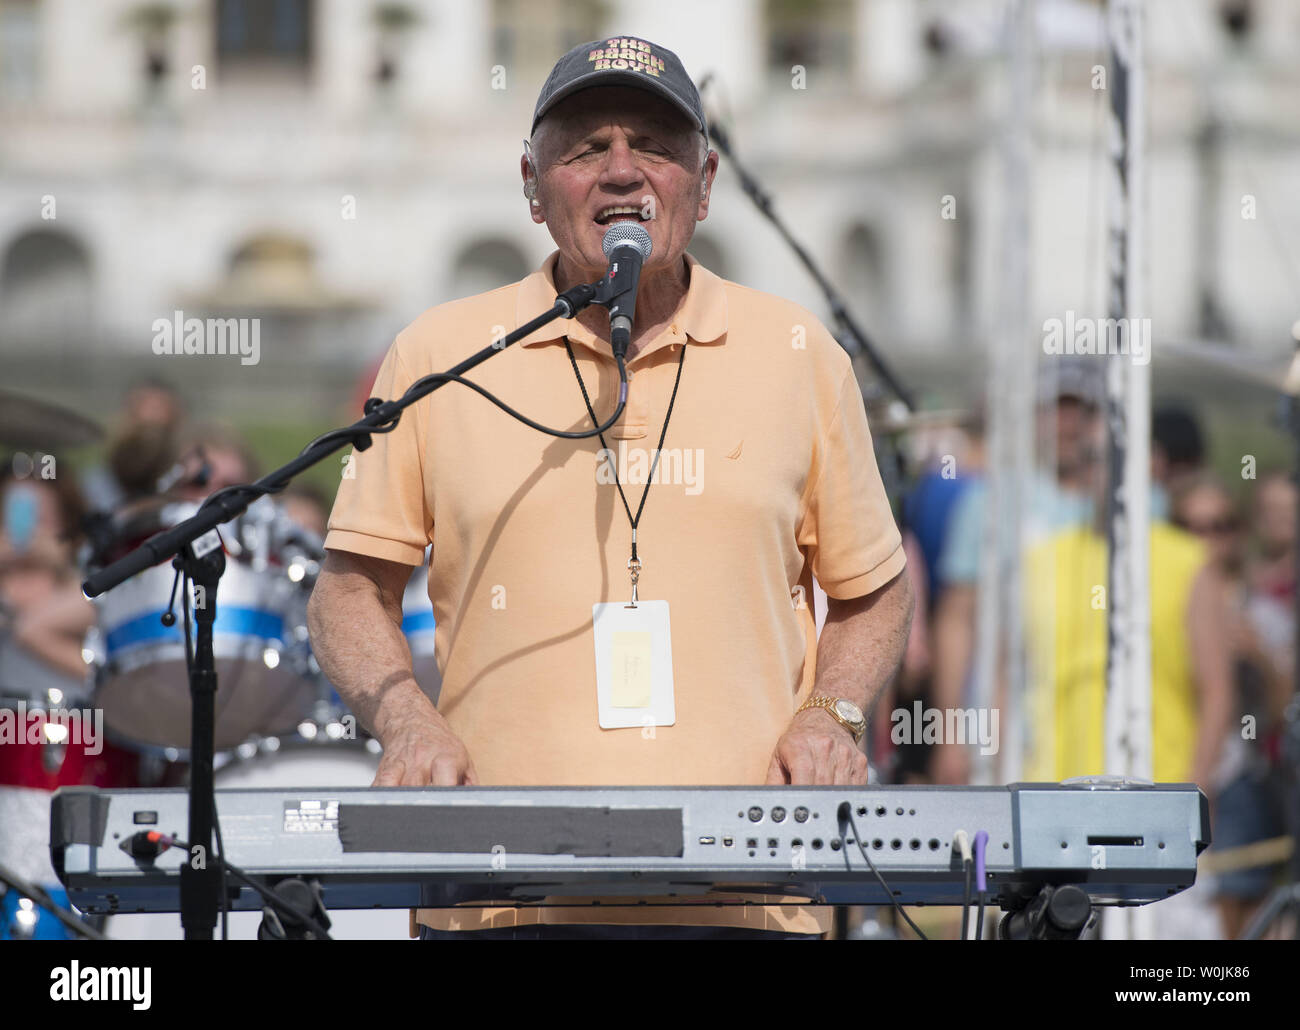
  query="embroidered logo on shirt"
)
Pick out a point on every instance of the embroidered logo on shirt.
point(736, 453)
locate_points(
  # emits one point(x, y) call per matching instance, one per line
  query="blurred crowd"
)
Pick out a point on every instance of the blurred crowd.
point(1222, 593)
point(1222, 585)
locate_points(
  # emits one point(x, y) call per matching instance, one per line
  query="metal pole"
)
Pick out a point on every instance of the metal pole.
point(1000, 619)
point(1128, 420)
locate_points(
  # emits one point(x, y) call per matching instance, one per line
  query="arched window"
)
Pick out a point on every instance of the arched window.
point(486, 265)
point(816, 35)
point(261, 35)
point(273, 268)
point(45, 292)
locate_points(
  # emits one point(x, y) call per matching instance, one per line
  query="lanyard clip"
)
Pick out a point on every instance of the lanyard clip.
point(634, 568)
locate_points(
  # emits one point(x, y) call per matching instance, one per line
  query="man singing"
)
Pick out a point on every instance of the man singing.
point(743, 460)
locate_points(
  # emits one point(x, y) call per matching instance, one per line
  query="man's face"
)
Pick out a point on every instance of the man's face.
point(619, 148)
point(1079, 439)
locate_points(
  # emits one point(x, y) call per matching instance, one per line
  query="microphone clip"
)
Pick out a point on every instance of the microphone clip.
point(607, 291)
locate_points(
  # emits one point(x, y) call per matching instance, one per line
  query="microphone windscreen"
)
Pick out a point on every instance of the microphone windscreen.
point(627, 232)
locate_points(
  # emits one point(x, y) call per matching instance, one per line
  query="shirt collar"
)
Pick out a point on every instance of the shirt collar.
point(701, 318)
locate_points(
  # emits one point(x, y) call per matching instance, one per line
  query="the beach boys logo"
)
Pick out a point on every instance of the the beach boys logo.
point(626, 55)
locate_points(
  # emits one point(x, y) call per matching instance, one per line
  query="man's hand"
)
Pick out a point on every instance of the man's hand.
point(420, 750)
point(422, 753)
point(355, 617)
point(858, 652)
point(817, 750)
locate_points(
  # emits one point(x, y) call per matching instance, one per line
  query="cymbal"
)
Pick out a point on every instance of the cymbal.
point(1280, 374)
point(38, 425)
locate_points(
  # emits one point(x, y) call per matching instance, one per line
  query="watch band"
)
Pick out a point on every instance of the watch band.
point(828, 705)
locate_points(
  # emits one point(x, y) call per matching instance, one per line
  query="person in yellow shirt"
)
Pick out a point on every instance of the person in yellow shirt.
point(1191, 686)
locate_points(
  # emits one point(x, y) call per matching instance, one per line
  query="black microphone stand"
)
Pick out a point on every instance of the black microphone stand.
point(196, 548)
point(850, 336)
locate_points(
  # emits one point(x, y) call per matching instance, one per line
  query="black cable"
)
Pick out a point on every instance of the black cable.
point(268, 894)
point(847, 811)
point(979, 920)
point(529, 423)
point(347, 432)
point(185, 616)
point(221, 866)
point(255, 491)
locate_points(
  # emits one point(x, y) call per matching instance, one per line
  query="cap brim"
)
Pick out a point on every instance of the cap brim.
point(638, 80)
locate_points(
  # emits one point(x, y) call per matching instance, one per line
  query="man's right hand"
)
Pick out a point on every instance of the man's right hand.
point(355, 618)
point(420, 753)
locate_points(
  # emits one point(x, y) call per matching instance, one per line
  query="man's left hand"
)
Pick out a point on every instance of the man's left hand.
point(817, 750)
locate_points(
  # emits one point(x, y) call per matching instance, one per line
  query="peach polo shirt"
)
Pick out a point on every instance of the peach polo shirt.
point(767, 478)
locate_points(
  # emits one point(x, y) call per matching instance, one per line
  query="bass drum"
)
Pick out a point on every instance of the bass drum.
point(264, 682)
point(55, 743)
point(317, 756)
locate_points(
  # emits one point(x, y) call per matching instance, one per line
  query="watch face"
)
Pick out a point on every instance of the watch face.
point(848, 710)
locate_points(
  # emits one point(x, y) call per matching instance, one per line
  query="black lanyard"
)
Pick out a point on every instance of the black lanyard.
point(634, 563)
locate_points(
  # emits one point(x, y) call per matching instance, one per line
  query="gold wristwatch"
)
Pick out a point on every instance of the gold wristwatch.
point(843, 711)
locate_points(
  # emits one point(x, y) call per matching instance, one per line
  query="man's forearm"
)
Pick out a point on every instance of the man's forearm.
point(862, 643)
point(358, 641)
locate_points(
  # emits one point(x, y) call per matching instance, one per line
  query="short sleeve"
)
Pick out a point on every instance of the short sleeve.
point(848, 530)
point(381, 509)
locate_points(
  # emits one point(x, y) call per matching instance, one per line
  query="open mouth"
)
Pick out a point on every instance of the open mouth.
point(619, 213)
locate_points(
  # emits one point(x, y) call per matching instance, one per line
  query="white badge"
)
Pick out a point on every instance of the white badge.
point(634, 665)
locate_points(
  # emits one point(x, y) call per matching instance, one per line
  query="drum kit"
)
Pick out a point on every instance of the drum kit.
point(279, 722)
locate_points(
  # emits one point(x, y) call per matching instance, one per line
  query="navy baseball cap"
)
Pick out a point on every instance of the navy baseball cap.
point(1071, 376)
point(622, 61)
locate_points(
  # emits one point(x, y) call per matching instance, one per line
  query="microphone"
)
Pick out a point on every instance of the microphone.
point(627, 245)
